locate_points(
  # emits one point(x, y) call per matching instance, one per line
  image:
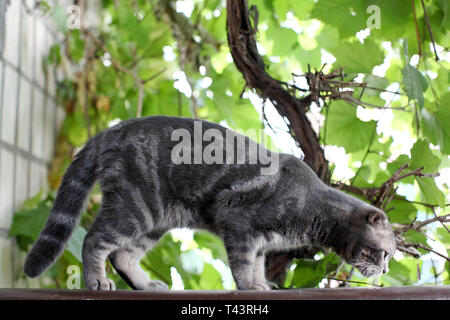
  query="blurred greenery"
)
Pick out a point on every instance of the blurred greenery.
point(177, 52)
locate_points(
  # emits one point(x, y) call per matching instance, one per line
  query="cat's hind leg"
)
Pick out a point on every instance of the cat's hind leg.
point(96, 248)
point(126, 262)
point(259, 274)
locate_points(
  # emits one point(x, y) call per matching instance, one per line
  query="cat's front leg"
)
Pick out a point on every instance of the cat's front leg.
point(242, 261)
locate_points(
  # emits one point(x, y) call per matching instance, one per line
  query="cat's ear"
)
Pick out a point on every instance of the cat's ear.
point(375, 217)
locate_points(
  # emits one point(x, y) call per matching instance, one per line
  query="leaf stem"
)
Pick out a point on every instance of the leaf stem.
point(354, 281)
point(429, 30)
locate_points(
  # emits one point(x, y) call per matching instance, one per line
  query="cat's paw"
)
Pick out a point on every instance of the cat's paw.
point(101, 284)
point(260, 286)
point(155, 285)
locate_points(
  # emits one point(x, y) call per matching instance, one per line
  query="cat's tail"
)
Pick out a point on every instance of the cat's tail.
point(65, 214)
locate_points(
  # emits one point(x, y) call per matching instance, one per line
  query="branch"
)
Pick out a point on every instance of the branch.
point(354, 281)
point(377, 196)
point(242, 44)
point(419, 44)
point(411, 251)
point(121, 68)
point(421, 224)
point(149, 268)
point(241, 40)
point(137, 79)
point(429, 30)
point(428, 205)
point(421, 246)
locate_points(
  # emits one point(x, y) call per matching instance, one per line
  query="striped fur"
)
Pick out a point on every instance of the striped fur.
point(145, 194)
point(66, 211)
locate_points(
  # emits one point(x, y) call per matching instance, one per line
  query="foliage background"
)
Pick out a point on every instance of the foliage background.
point(171, 57)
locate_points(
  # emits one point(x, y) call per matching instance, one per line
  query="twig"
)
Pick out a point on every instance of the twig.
point(389, 199)
point(369, 192)
point(154, 76)
point(418, 173)
point(118, 66)
point(421, 224)
point(365, 155)
point(155, 272)
point(428, 205)
point(411, 251)
point(429, 30)
point(440, 220)
point(416, 115)
point(434, 272)
point(421, 246)
point(419, 44)
point(354, 281)
point(357, 84)
point(352, 100)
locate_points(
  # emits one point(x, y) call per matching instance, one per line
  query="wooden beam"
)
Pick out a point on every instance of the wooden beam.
point(388, 293)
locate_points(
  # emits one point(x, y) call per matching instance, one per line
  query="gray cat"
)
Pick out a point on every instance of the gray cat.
point(149, 187)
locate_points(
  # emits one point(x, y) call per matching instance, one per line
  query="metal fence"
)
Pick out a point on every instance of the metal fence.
point(29, 119)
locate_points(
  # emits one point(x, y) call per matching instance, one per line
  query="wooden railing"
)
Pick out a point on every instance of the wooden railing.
point(388, 293)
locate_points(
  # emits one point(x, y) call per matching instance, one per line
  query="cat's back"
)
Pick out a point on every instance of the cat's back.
point(143, 149)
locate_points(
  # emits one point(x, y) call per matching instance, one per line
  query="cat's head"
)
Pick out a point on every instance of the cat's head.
point(372, 243)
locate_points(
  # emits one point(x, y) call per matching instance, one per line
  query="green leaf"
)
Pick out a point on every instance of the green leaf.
point(75, 128)
point(422, 156)
point(403, 212)
point(54, 55)
point(398, 163)
point(429, 192)
point(443, 235)
point(375, 82)
point(210, 279)
point(309, 273)
point(415, 237)
point(208, 240)
point(327, 38)
point(414, 82)
point(302, 9)
point(33, 202)
point(29, 223)
point(309, 57)
point(60, 18)
point(347, 17)
point(76, 45)
point(164, 255)
point(432, 128)
point(401, 272)
point(345, 129)
point(369, 55)
point(436, 125)
point(284, 40)
point(392, 24)
point(75, 243)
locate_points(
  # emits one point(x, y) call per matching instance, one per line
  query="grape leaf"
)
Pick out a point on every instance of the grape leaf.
point(345, 129)
point(357, 57)
point(348, 18)
point(429, 192)
point(413, 81)
point(75, 244)
point(309, 273)
point(422, 156)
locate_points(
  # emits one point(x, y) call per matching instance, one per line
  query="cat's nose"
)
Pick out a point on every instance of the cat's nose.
point(385, 268)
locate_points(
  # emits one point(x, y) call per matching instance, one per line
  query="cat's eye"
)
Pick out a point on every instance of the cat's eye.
point(386, 254)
